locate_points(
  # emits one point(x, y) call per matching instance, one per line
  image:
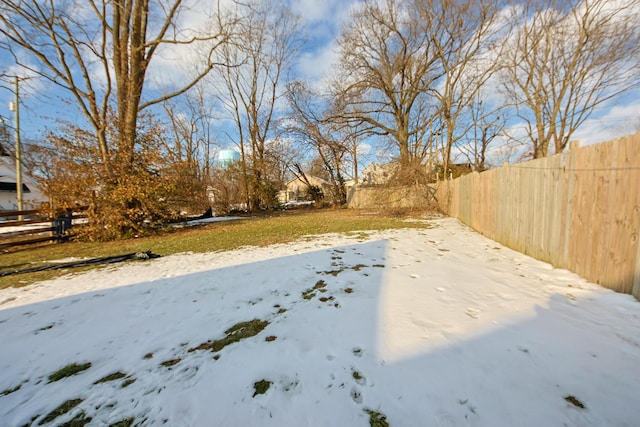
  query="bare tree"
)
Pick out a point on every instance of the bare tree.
point(411, 68)
point(100, 52)
point(488, 123)
point(73, 41)
point(387, 64)
point(465, 38)
point(566, 58)
point(192, 135)
point(265, 42)
point(312, 124)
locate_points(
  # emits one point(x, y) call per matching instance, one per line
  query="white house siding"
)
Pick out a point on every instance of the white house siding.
point(8, 198)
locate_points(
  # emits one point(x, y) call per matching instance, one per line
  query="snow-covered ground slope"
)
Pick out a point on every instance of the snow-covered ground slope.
point(432, 327)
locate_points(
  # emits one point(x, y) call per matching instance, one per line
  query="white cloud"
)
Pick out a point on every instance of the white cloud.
point(175, 64)
point(317, 65)
point(322, 22)
point(613, 122)
point(315, 11)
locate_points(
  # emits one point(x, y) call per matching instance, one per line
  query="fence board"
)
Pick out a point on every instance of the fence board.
point(23, 222)
point(28, 242)
point(28, 232)
point(21, 235)
point(17, 213)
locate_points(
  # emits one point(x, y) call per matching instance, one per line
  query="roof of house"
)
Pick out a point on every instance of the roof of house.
point(8, 181)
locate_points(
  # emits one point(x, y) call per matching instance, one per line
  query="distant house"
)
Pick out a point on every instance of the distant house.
point(454, 170)
point(297, 189)
point(378, 174)
point(32, 194)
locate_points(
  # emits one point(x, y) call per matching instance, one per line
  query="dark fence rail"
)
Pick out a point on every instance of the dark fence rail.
point(19, 228)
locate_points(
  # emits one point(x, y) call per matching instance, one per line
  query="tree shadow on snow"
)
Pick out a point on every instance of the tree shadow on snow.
point(347, 332)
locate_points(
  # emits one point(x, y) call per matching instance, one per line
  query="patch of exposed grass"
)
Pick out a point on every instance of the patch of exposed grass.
point(45, 328)
point(127, 422)
point(33, 419)
point(320, 284)
point(333, 273)
point(128, 382)
point(69, 370)
point(310, 293)
point(60, 410)
point(237, 332)
point(377, 419)
point(111, 377)
point(261, 387)
point(11, 390)
point(79, 420)
point(574, 401)
point(280, 227)
point(168, 363)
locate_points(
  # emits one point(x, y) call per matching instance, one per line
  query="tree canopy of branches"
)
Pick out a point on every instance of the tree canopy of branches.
point(411, 68)
point(463, 35)
point(265, 41)
point(191, 141)
point(387, 64)
point(415, 69)
point(100, 52)
point(311, 125)
point(563, 59)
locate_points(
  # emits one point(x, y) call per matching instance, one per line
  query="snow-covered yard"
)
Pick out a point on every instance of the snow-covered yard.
point(432, 327)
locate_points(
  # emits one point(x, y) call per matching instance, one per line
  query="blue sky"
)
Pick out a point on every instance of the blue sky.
point(41, 103)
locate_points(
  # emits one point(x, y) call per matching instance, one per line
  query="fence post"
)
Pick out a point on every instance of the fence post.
point(61, 223)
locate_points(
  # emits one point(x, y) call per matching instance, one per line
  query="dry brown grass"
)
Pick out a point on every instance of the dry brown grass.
point(273, 228)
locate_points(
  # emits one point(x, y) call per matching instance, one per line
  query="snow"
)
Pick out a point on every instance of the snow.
point(437, 327)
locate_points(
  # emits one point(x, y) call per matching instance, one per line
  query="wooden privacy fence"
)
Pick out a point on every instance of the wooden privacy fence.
point(381, 197)
point(18, 228)
point(579, 210)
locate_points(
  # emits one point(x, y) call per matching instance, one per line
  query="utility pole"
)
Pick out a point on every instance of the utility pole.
point(15, 107)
